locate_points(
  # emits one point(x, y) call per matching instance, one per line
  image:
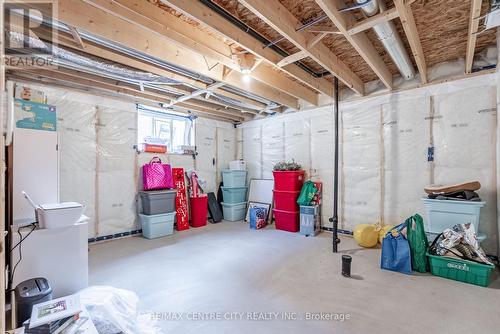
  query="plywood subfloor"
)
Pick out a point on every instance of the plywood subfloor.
point(228, 268)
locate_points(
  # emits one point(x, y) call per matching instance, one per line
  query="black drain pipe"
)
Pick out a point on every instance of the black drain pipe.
point(227, 16)
point(335, 218)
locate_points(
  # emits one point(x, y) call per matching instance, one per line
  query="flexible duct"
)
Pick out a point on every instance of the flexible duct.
point(387, 34)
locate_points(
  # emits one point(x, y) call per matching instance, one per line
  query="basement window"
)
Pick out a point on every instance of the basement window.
point(155, 126)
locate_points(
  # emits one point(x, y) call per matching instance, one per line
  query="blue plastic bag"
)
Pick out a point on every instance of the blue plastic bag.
point(396, 254)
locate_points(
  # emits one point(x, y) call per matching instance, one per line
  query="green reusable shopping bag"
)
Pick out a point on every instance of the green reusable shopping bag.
point(307, 193)
point(418, 243)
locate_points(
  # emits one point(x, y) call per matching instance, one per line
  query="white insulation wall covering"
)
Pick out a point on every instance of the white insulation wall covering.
point(99, 166)
point(384, 142)
point(298, 137)
point(116, 172)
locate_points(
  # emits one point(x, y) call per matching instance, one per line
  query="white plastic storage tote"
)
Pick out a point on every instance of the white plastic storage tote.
point(234, 212)
point(156, 226)
point(234, 195)
point(443, 214)
point(234, 178)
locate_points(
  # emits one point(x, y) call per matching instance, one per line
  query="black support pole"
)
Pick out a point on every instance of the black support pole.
point(335, 218)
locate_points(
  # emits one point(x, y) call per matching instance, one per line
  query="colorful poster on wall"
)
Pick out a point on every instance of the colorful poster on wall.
point(35, 116)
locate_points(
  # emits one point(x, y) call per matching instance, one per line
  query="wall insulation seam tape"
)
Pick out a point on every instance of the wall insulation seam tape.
point(462, 131)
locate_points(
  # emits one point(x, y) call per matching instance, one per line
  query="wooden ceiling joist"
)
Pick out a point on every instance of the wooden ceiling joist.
point(196, 93)
point(76, 37)
point(55, 79)
point(322, 29)
point(316, 39)
point(475, 13)
point(82, 77)
point(110, 55)
point(372, 21)
point(184, 35)
point(410, 28)
point(359, 41)
point(280, 19)
point(111, 27)
point(208, 18)
point(292, 58)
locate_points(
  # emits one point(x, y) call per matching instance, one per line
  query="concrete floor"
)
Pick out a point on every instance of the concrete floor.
point(228, 268)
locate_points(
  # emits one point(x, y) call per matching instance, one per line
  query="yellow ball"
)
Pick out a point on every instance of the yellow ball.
point(383, 231)
point(366, 235)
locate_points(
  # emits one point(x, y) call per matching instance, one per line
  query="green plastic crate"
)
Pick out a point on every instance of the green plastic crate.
point(460, 270)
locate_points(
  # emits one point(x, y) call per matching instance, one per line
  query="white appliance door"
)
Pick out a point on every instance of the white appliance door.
point(36, 172)
point(60, 255)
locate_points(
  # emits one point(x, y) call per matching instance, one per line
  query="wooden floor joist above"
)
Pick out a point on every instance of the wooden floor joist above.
point(408, 22)
point(372, 21)
point(208, 18)
point(475, 12)
point(359, 41)
point(109, 26)
point(279, 18)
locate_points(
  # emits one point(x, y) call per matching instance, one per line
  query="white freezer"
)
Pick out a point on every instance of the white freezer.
point(60, 255)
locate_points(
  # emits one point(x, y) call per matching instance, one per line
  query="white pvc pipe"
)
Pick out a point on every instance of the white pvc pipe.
point(389, 37)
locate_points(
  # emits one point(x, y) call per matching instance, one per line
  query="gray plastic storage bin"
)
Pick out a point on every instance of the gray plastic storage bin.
point(156, 226)
point(310, 220)
point(158, 202)
point(234, 178)
point(234, 212)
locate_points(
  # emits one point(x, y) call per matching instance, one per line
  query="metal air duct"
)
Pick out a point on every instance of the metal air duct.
point(387, 34)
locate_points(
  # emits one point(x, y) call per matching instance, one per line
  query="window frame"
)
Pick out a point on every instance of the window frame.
point(158, 114)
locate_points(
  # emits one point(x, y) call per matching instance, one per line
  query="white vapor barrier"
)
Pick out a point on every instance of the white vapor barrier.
point(239, 143)
point(214, 153)
point(295, 136)
point(116, 170)
point(98, 163)
point(405, 140)
point(384, 142)
point(252, 151)
point(322, 145)
point(273, 147)
point(465, 136)
point(77, 149)
point(361, 166)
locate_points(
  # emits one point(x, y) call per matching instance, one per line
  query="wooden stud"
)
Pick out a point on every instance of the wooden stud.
point(316, 39)
point(76, 37)
point(208, 18)
point(322, 29)
point(475, 12)
point(184, 35)
point(113, 28)
point(372, 21)
point(359, 41)
point(410, 28)
point(292, 58)
point(280, 19)
point(91, 85)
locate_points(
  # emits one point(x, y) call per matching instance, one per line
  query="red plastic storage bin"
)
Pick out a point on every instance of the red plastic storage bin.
point(198, 209)
point(287, 220)
point(288, 180)
point(286, 200)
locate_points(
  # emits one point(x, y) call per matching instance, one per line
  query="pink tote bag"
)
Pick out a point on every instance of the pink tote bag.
point(156, 176)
